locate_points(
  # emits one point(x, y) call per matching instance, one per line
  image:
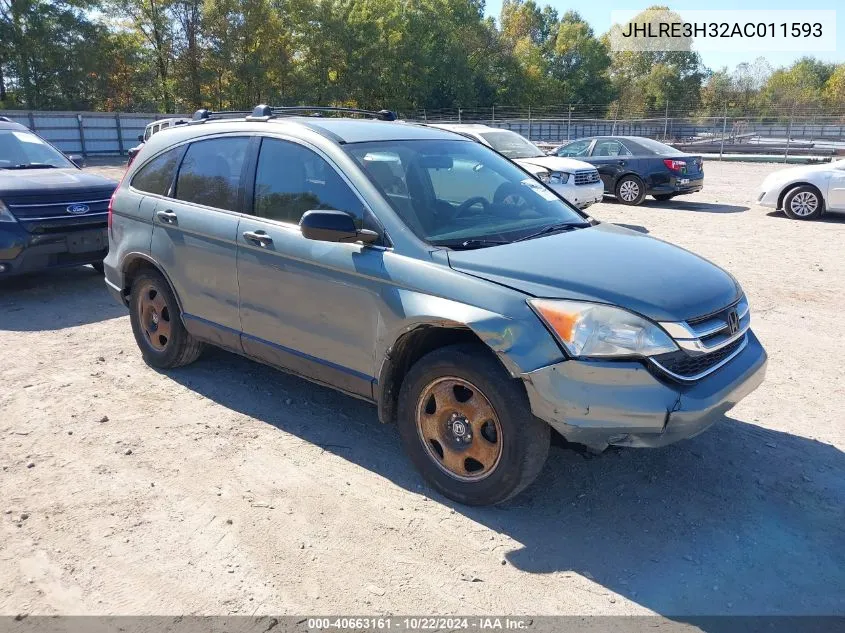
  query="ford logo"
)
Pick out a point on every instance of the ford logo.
point(78, 209)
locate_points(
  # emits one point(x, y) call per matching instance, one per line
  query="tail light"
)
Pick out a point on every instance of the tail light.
point(675, 165)
point(111, 200)
point(111, 210)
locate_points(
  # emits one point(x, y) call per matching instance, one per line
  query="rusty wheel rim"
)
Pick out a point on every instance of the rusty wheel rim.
point(459, 428)
point(154, 317)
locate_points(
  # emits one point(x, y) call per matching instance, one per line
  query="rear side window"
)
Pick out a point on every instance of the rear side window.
point(211, 172)
point(292, 179)
point(157, 175)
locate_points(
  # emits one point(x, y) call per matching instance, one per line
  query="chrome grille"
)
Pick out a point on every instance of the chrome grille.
point(706, 343)
point(586, 176)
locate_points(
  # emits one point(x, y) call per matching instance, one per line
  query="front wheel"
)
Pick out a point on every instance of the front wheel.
point(630, 190)
point(468, 428)
point(803, 203)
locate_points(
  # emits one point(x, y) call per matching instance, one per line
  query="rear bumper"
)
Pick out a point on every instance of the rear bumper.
point(23, 252)
point(623, 404)
point(677, 186)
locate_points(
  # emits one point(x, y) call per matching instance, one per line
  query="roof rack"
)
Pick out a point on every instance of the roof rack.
point(264, 112)
point(205, 115)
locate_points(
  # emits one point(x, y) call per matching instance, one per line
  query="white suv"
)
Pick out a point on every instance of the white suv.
point(575, 180)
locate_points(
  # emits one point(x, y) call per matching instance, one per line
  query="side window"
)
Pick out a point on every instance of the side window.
point(157, 175)
point(148, 132)
point(211, 172)
point(610, 148)
point(576, 148)
point(291, 179)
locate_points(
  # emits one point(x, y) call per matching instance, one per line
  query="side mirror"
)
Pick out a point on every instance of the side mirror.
point(141, 137)
point(76, 159)
point(333, 226)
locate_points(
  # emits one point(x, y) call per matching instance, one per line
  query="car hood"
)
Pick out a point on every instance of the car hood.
point(796, 173)
point(607, 264)
point(553, 163)
point(34, 181)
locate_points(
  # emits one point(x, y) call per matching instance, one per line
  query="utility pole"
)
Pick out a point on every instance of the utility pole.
point(666, 121)
point(568, 122)
point(724, 130)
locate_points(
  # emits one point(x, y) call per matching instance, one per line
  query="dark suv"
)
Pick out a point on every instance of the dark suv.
point(52, 214)
point(420, 270)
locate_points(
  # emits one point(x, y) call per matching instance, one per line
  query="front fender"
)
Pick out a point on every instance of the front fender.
point(520, 341)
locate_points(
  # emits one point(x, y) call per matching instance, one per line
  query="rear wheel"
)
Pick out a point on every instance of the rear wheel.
point(664, 196)
point(468, 428)
point(157, 324)
point(630, 190)
point(803, 203)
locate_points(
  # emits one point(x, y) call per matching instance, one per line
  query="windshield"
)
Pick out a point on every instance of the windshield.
point(511, 144)
point(460, 194)
point(657, 148)
point(20, 149)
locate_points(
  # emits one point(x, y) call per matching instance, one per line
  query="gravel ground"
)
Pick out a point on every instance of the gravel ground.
point(227, 487)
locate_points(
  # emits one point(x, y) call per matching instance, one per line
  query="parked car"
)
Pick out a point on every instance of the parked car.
point(152, 128)
point(52, 214)
point(633, 167)
point(805, 192)
point(424, 272)
point(575, 180)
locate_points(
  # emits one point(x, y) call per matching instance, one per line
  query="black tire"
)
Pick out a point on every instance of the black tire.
point(523, 439)
point(178, 347)
point(98, 266)
point(663, 197)
point(630, 190)
point(803, 203)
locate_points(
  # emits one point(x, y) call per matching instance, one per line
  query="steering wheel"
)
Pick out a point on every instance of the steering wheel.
point(511, 194)
point(468, 204)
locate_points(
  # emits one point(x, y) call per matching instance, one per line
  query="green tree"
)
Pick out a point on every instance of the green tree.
point(648, 81)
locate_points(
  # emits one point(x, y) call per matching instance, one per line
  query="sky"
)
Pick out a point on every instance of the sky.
point(597, 13)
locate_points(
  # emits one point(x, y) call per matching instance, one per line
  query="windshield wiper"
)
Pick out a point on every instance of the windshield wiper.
point(31, 166)
point(555, 228)
point(471, 243)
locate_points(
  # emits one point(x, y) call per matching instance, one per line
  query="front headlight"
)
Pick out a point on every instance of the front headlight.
point(5, 214)
point(558, 178)
point(596, 330)
point(544, 176)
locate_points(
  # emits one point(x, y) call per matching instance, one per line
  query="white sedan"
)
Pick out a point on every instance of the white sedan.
point(578, 182)
point(805, 192)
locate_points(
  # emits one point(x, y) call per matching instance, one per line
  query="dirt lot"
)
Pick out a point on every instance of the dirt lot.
point(227, 487)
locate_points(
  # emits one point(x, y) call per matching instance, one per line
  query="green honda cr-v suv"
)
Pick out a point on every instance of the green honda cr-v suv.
point(424, 272)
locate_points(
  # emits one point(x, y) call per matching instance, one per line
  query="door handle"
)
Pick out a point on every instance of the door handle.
point(167, 217)
point(258, 237)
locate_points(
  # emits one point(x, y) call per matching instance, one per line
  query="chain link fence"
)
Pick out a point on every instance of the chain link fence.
point(813, 132)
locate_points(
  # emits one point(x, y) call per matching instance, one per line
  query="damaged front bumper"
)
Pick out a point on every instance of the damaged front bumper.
point(602, 403)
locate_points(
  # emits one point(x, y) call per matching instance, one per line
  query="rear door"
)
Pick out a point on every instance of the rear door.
point(194, 236)
point(612, 158)
point(306, 305)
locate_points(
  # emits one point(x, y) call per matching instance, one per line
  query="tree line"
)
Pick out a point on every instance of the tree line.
point(407, 55)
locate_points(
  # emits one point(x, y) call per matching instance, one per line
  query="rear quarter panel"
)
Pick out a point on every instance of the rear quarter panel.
point(130, 234)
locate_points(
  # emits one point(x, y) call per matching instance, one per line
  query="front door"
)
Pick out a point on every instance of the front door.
point(194, 237)
point(306, 305)
point(836, 190)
